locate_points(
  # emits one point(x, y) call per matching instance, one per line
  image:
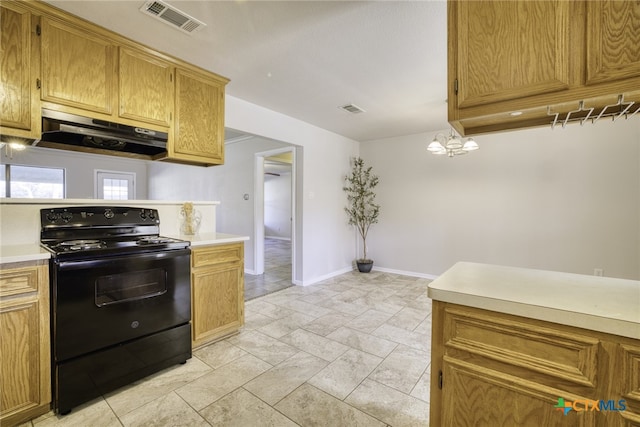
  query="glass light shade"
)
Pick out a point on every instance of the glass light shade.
point(453, 143)
point(470, 145)
point(435, 146)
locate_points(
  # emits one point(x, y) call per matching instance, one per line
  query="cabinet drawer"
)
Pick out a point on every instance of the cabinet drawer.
point(216, 255)
point(522, 344)
point(16, 281)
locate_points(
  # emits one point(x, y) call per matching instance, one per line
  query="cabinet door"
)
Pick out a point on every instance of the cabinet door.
point(20, 348)
point(25, 370)
point(77, 67)
point(628, 389)
point(145, 87)
point(199, 121)
point(613, 40)
point(476, 396)
point(15, 67)
point(217, 301)
point(507, 50)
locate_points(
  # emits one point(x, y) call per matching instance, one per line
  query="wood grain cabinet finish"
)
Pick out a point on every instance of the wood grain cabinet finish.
point(217, 296)
point(145, 87)
point(613, 40)
point(18, 112)
point(493, 66)
point(539, 59)
point(78, 67)
point(199, 124)
point(25, 363)
point(495, 369)
point(51, 59)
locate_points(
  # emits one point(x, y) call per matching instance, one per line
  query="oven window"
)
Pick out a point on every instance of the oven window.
point(129, 286)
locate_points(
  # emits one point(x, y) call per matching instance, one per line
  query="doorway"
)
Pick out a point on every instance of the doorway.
point(274, 222)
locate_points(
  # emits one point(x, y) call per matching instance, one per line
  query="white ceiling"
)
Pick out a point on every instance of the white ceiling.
point(305, 59)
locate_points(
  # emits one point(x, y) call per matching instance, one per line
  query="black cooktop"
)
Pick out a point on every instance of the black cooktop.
point(84, 231)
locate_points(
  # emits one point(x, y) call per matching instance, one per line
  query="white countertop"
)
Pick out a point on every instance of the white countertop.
point(215, 238)
point(21, 253)
point(596, 303)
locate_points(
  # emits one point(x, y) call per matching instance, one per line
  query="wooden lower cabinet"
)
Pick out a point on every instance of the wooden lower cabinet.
point(25, 360)
point(494, 369)
point(217, 291)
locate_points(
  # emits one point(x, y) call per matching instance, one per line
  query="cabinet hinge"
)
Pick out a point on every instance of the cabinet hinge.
point(440, 380)
point(455, 86)
point(38, 84)
point(38, 30)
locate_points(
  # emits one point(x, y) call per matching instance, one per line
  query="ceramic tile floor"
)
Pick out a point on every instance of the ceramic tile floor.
point(277, 270)
point(350, 351)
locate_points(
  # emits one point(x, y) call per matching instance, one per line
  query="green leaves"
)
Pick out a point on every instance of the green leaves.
point(362, 209)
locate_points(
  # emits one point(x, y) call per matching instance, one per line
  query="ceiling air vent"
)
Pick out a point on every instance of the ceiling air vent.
point(172, 16)
point(352, 108)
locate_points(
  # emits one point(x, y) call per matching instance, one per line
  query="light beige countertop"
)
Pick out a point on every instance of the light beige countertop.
point(596, 303)
point(21, 253)
point(215, 238)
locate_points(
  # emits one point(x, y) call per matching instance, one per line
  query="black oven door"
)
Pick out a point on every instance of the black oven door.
point(102, 302)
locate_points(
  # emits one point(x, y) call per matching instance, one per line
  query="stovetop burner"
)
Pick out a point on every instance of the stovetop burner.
point(154, 240)
point(77, 245)
point(82, 232)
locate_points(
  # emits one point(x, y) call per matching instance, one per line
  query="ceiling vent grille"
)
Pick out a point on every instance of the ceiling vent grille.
point(352, 108)
point(172, 16)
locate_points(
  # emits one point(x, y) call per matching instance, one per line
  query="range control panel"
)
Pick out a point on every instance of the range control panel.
point(97, 216)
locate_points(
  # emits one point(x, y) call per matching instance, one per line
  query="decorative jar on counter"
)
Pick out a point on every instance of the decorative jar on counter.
point(189, 219)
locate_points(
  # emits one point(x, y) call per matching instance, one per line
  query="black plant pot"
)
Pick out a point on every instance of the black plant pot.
point(364, 266)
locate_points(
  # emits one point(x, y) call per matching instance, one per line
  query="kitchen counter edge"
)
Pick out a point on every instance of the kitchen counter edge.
point(22, 253)
point(213, 238)
point(601, 304)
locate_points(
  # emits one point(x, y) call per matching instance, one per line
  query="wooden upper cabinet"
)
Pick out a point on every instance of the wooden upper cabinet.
point(145, 87)
point(520, 64)
point(510, 49)
point(199, 118)
point(51, 59)
point(77, 67)
point(16, 99)
point(613, 43)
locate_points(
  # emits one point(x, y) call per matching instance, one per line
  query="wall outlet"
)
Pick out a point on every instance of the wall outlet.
point(598, 272)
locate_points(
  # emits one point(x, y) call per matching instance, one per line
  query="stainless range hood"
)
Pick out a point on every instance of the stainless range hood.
point(79, 133)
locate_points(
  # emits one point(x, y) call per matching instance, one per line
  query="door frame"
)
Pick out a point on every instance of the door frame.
point(258, 208)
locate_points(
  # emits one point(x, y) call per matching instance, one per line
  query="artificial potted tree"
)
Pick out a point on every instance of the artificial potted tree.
point(362, 209)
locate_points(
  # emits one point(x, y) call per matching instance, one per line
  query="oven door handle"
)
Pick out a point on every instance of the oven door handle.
point(136, 298)
point(115, 260)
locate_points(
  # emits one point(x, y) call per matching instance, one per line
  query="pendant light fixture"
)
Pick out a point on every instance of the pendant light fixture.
point(451, 145)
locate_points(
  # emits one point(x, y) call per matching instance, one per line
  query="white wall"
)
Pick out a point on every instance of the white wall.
point(277, 206)
point(564, 199)
point(80, 168)
point(327, 240)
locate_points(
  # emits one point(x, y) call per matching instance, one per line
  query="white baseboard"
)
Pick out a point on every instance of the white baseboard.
point(349, 269)
point(321, 278)
point(405, 273)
